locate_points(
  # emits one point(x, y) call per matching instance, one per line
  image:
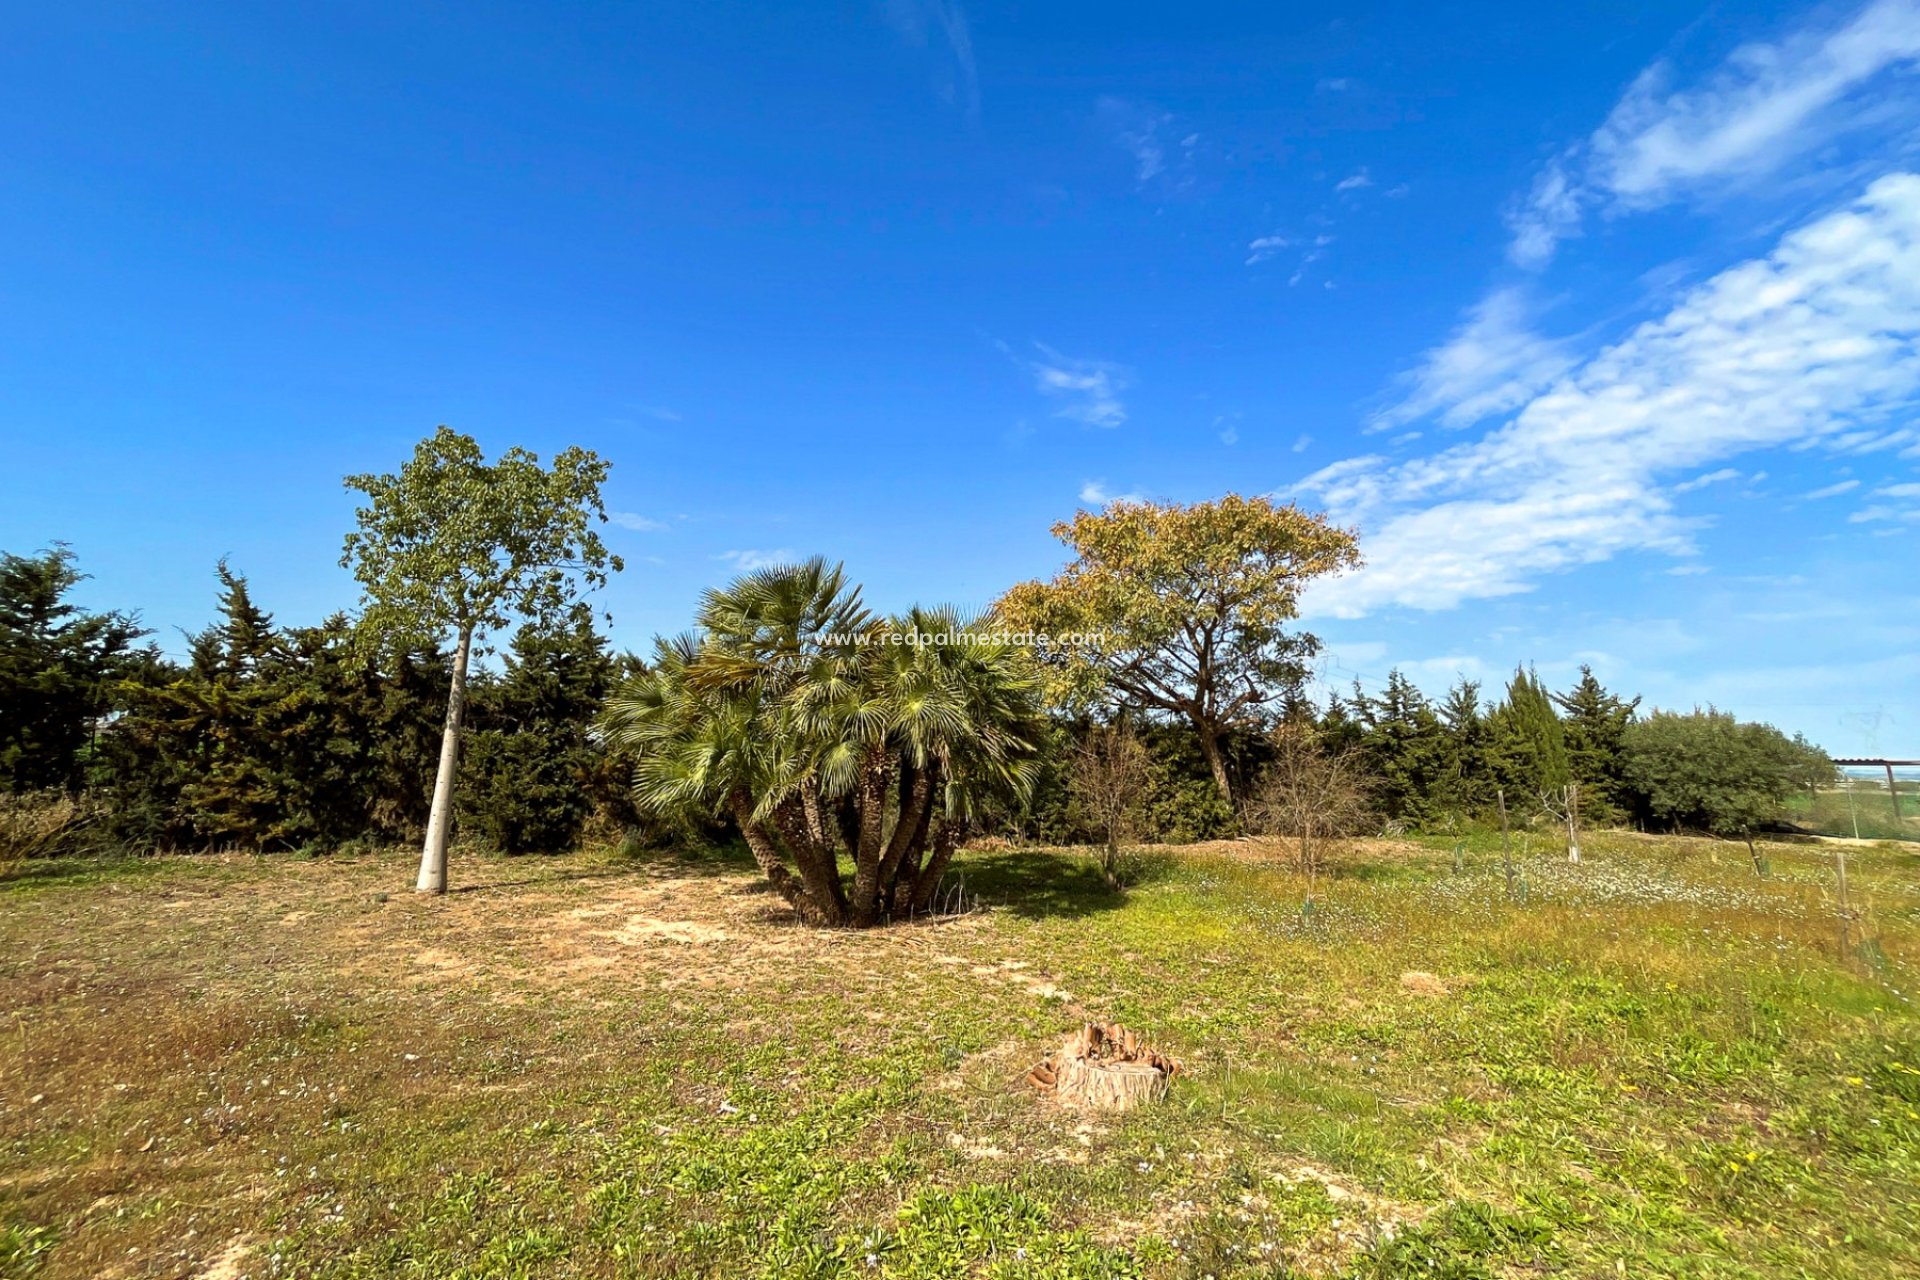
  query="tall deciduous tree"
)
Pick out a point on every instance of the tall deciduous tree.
point(455, 546)
point(1182, 610)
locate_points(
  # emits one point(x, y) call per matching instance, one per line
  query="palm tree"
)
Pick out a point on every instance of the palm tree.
point(826, 733)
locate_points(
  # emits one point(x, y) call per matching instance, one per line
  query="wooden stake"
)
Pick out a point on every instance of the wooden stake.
point(1846, 903)
point(1506, 839)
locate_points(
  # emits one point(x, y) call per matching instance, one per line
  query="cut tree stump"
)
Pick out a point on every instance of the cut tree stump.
point(1104, 1065)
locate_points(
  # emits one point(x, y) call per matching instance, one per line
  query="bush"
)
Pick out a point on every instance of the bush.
point(36, 825)
point(1708, 772)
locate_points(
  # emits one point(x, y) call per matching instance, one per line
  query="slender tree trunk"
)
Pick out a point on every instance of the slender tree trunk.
point(433, 856)
point(1846, 903)
point(1506, 840)
point(1573, 822)
point(1216, 760)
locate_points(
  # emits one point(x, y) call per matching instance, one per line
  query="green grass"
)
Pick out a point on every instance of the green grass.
point(1865, 813)
point(1657, 1064)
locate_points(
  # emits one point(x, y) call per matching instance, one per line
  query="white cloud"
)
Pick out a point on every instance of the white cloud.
point(1090, 388)
point(1354, 181)
point(1094, 493)
point(636, 522)
point(1765, 106)
point(1898, 491)
point(1265, 247)
point(1302, 443)
point(1701, 482)
point(1807, 346)
point(1491, 364)
point(749, 560)
point(1162, 156)
point(1334, 84)
point(660, 412)
point(1549, 214)
point(1834, 490)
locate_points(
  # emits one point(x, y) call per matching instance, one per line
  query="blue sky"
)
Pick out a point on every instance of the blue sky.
point(1601, 326)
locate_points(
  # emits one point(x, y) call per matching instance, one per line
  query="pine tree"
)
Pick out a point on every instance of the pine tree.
point(220, 717)
point(1405, 747)
point(533, 771)
point(1466, 785)
point(58, 668)
point(1596, 725)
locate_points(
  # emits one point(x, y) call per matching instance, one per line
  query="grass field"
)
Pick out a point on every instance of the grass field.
point(1866, 812)
point(1652, 1064)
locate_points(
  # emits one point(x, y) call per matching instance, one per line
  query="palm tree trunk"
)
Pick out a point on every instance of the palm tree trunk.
point(819, 868)
point(433, 855)
point(946, 838)
point(907, 828)
point(876, 777)
point(767, 855)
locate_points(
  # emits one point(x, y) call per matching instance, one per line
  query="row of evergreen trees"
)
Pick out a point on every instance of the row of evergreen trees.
point(1461, 756)
point(299, 737)
point(271, 737)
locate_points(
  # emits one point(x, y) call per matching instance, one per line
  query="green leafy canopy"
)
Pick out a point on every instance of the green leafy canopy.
point(453, 542)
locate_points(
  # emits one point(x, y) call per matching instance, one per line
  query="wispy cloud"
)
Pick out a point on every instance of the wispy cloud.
point(1334, 84)
point(1897, 503)
point(1094, 493)
point(1354, 181)
point(1088, 389)
point(636, 522)
point(1266, 247)
point(749, 560)
point(940, 26)
point(1813, 345)
point(1315, 251)
point(1765, 106)
point(1491, 364)
point(1162, 150)
point(1721, 476)
point(1312, 250)
point(1834, 490)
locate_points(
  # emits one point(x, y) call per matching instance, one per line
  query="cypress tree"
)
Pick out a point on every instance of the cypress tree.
point(1527, 741)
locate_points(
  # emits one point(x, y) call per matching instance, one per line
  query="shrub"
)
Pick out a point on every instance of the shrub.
point(35, 825)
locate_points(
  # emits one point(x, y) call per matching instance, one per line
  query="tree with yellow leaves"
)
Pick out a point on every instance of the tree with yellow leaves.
point(1181, 610)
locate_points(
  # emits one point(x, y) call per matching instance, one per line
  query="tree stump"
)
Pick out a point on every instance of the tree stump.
point(1104, 1065)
